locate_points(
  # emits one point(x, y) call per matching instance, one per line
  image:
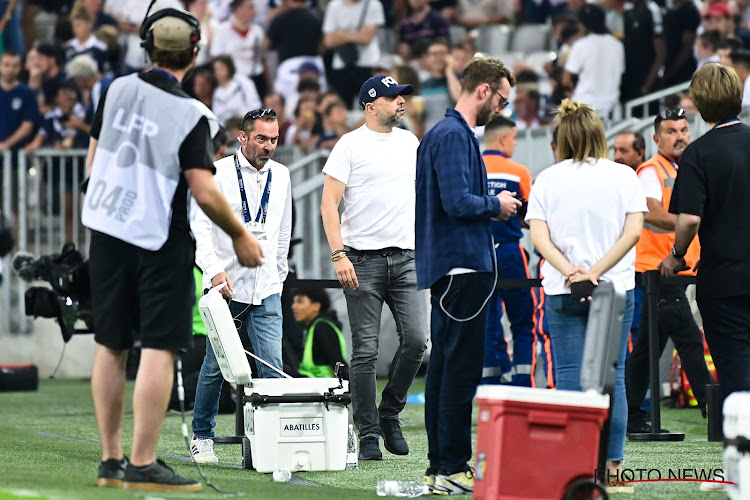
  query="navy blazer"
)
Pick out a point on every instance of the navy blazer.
point(453, 208)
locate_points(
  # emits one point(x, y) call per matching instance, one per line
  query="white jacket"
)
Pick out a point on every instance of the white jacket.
point(214, 252)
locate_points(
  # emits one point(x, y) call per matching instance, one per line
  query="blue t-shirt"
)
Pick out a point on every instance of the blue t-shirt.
point(17, 106)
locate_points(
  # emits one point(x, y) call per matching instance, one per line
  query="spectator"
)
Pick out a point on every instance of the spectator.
point(584, 239)
point(19, 113)
point(414, 105)
point(630, 149)
point(681, 23)
point(443, 79)
point(35, 68)
point(233, 131)
point(83, 70)
point(306, 88)
point(204, 86)
point(709, 193)
point(199, 10)
point(725, 47)
point(598, 59)
point(11, 35)
point(644, 49)
point(615, 18)
point(462, 52)
point(719, 17)
point(335, 119)
point(526, 107)
point(234, 92)
point(472, 14)
point(308, 80)
point(85, 42)
point(324, 343)
point(424, 23)
point(567, 31)
point(538, 11)
point(94, 10)
point(52, 57)
point(740, 59)
point(705, 47)
point(294, 51)
point(307, 125)
point(341, 27)
point(278, 103)
point(242, 39)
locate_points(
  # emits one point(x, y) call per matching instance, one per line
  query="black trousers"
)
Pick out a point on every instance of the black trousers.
point(347, 82)
point(726, 321)
point(676, 322)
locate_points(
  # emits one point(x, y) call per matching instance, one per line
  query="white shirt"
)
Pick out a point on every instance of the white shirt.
point(650, 182)
point(379, 171)
point(599, 62)
point(236, 99)
point(340, 16)
point(214, 252)
point(245, 50)
point(584, 205)
point(91, 43)
point(746, 93)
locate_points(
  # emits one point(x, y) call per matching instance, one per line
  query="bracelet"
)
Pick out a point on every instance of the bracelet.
point(338, 256)
point(336, 252)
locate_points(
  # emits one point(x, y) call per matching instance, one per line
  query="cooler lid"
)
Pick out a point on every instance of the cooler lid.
point(542, 396)
point(297, 386)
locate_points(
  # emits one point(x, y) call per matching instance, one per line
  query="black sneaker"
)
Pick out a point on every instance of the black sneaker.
point(157, 476)
point(369, 449)
point(111, 473)
point(643, 428)
point(393, 439)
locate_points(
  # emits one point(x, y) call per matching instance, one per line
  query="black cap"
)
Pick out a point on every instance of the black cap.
point(593, 18)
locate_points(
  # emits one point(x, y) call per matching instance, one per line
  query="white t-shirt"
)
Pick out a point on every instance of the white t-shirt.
point(379, 171)
point(236, 99)
point(746, 93)
point(650, 183)
point(584, 205)
point(245, 50)
point(340, 16)
point(599, 62)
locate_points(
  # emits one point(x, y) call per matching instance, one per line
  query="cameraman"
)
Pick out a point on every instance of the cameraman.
point(150, 143)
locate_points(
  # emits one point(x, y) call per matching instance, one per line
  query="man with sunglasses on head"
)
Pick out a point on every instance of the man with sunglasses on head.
point(372, 249)
point(676, 321)
point(456, 261)
point(260, 194)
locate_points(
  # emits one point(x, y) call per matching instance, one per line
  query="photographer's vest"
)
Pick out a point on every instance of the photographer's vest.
point(655, 243)
point(307, 367)
point(136, 167)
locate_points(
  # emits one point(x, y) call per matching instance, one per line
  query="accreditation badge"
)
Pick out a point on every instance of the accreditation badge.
point(258, 230)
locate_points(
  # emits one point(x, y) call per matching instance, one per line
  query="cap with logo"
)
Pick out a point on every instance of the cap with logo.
point(381, 86)
point(172, 34)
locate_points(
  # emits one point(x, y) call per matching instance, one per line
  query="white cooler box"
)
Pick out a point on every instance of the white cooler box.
point(290, 423)
point(737, 445)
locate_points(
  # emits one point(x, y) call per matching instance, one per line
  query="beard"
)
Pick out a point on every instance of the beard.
point(389, 120)
point(485, 114)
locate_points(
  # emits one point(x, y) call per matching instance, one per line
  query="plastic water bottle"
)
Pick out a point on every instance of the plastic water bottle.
point(406, 489)
point(282, 475)
point(352, 457)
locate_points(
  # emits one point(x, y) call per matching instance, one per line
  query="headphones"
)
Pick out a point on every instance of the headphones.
point(146, 32)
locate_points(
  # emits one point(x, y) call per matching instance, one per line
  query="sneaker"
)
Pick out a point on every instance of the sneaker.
point(643, 428)
point(394, 441)
point(429, 480)
point(620, 488)
point(111, 473)
point(157, 476)
point(203, 450)
point(459, 483)
point(369, 449)
point(712, 486)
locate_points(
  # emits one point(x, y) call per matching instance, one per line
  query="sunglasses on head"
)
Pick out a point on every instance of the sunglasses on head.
point(260, 113)
point(672, 114)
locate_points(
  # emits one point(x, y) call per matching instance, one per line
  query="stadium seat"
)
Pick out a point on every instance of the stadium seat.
point(530, 38)
point(494, 38)
point(434, 108)
point(509, 59)
point(457, 33)
point(538, 59)
point(387, 39)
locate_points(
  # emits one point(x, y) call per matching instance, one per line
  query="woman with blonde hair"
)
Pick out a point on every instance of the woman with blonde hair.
point(586, 215)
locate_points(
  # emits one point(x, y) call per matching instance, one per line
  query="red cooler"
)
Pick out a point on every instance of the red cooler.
point(535, 443)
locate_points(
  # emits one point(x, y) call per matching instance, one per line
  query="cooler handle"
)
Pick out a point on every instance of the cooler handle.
point(548, 418)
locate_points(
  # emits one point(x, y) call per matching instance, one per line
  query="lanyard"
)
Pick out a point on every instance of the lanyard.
point(263, 208)
point(731, 120)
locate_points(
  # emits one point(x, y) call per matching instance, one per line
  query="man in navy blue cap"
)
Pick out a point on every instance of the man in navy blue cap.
point(372, 249)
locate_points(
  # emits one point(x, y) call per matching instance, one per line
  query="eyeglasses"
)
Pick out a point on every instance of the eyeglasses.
point(503, 100)
point(260, 113)
point(672, 114)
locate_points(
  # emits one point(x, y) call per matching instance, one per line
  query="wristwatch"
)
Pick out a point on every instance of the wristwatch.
point(676, 254)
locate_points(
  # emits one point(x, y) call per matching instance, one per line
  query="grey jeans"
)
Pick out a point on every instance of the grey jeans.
point(386, 276)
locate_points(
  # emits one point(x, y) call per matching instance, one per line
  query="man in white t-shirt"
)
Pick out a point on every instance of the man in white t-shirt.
point(598, 59)
point(373, 168)
point(741, 63)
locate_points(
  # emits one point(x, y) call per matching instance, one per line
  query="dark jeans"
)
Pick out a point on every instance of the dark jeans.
point(455, 367)
point(726, 321)
point(347, 82)
point(384, 276)
point(676, 322)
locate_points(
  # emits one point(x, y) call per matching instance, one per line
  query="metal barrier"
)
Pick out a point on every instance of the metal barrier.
point(642, 103)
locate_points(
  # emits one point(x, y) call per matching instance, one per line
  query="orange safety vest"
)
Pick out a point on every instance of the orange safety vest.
point(655, 243)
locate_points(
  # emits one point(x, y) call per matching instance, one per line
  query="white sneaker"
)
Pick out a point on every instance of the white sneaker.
point(203, 450)
point(711, 486)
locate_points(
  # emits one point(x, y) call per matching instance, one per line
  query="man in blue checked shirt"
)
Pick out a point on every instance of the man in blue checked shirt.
point(455, 258)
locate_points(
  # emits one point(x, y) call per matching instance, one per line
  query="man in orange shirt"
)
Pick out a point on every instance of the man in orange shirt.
point(676, 320)
point(504, 174)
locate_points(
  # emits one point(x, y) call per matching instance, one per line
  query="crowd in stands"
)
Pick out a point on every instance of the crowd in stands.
point(308, 58)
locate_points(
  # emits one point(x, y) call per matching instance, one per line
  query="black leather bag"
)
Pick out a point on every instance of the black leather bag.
point(349, 52)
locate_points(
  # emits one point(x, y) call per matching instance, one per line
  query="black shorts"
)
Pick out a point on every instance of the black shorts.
point(143, 293)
